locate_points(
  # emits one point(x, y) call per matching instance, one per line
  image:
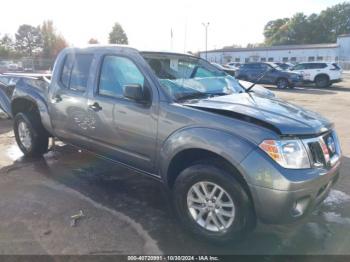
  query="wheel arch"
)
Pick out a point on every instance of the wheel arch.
point(27, 103)
point(322, 74)
point(21, 104)
point(190, 145)
point(188, 157)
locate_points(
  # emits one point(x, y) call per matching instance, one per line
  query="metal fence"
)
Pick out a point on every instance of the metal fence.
point(29, 65)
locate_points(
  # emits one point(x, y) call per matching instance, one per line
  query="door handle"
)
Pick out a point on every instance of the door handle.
point(57, 99)
point(95, 107)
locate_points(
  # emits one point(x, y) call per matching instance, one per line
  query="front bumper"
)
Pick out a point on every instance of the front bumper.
point(295, 81)
point(279, 207)
point(285, 195)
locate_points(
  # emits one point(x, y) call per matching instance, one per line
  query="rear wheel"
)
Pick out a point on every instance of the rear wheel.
point(30, 134)
point(322, 81)
point(212, 204)
point(282, 83)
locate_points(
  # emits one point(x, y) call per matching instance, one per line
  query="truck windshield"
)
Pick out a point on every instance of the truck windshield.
point(186, 77)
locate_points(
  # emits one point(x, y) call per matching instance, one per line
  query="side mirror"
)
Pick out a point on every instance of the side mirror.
point(134, 92)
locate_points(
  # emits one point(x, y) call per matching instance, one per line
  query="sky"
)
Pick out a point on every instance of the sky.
point(148, 23)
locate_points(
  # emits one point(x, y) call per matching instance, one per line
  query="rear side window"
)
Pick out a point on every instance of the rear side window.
point(300, 67)
point(336, 66)
point(318, 65)
point(75, 71)
point(66, 71)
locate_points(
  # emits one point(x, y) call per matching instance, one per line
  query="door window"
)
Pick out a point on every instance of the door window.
point(116, 72)
point(299, 67)
point(75, 71)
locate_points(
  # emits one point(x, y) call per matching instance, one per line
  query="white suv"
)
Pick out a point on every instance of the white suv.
point(322, 74)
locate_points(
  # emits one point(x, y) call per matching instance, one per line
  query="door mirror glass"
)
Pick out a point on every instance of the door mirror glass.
point(134, 92)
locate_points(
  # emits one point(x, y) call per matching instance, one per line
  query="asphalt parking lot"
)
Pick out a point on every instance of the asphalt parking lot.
point(125, 213)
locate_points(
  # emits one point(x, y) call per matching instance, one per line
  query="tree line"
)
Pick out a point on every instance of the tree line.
point(311, 29)
point(302, 29)
point(44, 41)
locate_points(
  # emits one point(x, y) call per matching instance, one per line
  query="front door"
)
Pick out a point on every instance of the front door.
point(128, 129)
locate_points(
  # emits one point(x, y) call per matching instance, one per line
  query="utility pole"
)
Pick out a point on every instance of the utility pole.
point(206, 25)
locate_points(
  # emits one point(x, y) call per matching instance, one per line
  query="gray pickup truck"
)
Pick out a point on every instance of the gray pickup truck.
point(228, 155)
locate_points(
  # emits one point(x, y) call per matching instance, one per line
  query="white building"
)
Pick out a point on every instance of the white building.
point(336, 52)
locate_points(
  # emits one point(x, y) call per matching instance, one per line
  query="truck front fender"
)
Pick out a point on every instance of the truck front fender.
point(229, 146)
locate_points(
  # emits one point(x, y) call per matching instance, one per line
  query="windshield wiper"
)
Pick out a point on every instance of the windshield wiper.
point(200, 95)
point(259, 78)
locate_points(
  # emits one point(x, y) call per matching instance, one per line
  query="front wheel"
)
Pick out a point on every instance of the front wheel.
point(212, 204)
point(30, 135)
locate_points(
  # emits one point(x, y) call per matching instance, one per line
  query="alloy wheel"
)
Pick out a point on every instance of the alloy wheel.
point(24, 135)
point(210, 206)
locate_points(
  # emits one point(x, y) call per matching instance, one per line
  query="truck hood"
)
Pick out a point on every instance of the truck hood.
point(273, 113)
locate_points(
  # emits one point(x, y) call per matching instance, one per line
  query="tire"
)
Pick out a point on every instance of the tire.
point(322, 81)
point(244, 219)
point(35, 141)
point(282, 83)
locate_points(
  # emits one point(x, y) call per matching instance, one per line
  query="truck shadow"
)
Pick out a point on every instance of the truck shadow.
point(145, 201)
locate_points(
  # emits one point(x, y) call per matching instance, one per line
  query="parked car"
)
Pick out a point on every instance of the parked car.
point(227, 157)
point(321, 74)
point(229, 71)
point(7, 86)
point(284, 66)
point(268, 73)
point(233, 65)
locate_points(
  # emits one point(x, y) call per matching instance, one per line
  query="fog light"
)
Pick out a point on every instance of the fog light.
point(300, 206)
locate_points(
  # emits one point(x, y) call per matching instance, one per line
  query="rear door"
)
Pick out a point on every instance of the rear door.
point(69, 114)
point(127, 130)
point(253, 71)
point(269, 74)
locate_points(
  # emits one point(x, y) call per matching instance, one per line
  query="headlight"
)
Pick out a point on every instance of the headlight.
point(288, 153)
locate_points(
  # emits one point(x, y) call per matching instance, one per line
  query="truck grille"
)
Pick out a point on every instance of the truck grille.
point(316, 154)
point(324, 151)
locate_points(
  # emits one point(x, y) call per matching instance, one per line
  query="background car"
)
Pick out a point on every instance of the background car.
point(233, 65)
point(322, 74)
point(229, 71)
point(268, 73)
point(284, 66)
